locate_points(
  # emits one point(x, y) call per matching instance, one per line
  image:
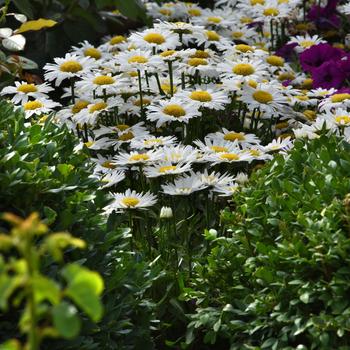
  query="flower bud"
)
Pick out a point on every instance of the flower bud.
point(166, 213)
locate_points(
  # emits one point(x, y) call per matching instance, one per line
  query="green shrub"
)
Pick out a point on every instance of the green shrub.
point(280, 278)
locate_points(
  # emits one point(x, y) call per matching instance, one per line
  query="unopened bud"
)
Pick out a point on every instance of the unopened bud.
point(166, 213)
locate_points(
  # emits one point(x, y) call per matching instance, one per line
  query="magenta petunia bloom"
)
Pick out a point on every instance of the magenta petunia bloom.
point(325, 17)
point(286, 51)
point(316, 55)
point(328, 75)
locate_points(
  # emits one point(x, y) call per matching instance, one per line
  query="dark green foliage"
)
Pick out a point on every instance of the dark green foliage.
point(280, 279)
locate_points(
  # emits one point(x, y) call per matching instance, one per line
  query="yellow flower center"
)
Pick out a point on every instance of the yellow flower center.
point(202, 96)
point(232, 136)
point(214, 19)
point(302, 98)
point(122, 127)
point(174, 110)
point(254, 152)
point(262, 96)
point(118, 39)
point(89, 143)
point(27, 88)
point(237, 35)
point(92, 52)
point(229, 156)
point(194, 12)
point(286, 76)
point(200, 54)
point(243, 69)
point(167, 168)
point(108, 165)
point(154, 38)
point(97, 107)
point(306, 43)
point(154, 141)
point(246, 20)
point(310, 114)
point(167, 88)
point(282, 125)
point(244, 48)
point(139, 157)
point(339, 97)
point(167, 53)
point(126, 137)
point(252, 83)
point(195, 62)
point(130, 202)
point(275, 61)
point(145, 102)
point(103, 80)
point(271, 11)
point(307, 83)
point(219, 149)
point(256, 2)
point(212, 35)
point(165, 12)
point(71, 67)
point(342, 119)
point(138, 59)
point(79, 105)
point(32, 105)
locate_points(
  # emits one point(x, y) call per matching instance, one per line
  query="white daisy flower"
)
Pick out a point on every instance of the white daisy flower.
point(71, 66)
point(103, 143)
point(184, 185)
point(242, 139)
point(166, 168)
point(155, 39)
point(136, 158)
point(88, 50)
point(206, 96)
point(172, 110)
point(266, 97)
point(241, 178)
point(214, 179)
point(340, 117)
point(179, 154)
point(216, 145)
point(112, 178)
point(130, 199)
point(22, 91)
point(153, 142)
point(38, 107)
point(229, 157)
point(305, 41)
point(226, 190)
point(212, 38)
point(279, 145)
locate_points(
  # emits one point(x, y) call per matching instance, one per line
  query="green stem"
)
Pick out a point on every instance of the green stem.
point(140, 90)
point(170, 66)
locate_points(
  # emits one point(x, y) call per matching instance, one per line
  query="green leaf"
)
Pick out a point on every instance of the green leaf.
point(65, 169)
point(12, 344)
point(305, 297)
point(50, 214)
point(45, 289)
point(84, 288)
point(131, 9)
point(24, 7)
point(66, 320)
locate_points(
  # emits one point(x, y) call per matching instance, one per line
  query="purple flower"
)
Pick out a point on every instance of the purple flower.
point(325, 17)
point(316, 55)
point(328, 75)
point(286, 51)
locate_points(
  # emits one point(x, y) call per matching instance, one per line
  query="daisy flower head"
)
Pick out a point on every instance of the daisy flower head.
point(138, 60)
point(152, 141)
point(214, 179)
point(340, 99)
point(216, 145)
point(216, 19)
point(305, 41)
point(112, 178)
point(137, 158)
point(266, 97)
point(130, 199)
point(103, 143)
point(173, 110)
point(88, 50)
point(23, 91)
point(271, 10)
point(166, 168)
point(155, 39)
point(235, 73)
point(38, 107)
point(101, 84)
point(184, 185)
point(93, 111)
point(230, 157)
point(240, 138)
point(340, 117)
point(71, 66)
point(211, 38)
point(179, 154)
point(195, 65)
point(68, 113)
point(226, 190)
point(114, 43)
point(279, 145)
point(209, 96)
